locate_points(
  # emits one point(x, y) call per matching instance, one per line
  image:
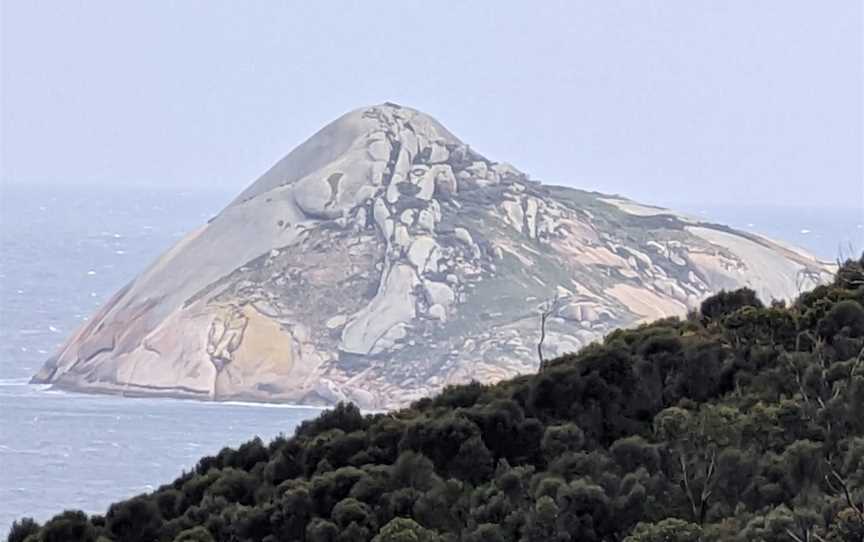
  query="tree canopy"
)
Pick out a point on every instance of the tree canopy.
point(743, 422)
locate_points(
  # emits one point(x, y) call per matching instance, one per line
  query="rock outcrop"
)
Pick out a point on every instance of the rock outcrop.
point(384, 259)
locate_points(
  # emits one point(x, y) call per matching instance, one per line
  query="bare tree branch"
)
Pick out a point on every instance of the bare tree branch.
point(547, 310)
point(795, 536)
point(685, 481)
point(707, 487)
point(844, 487)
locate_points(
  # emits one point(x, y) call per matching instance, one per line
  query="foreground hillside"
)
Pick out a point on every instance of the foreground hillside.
point(743, 422)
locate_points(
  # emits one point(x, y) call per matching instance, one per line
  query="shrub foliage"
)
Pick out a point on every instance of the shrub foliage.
point(744, 422)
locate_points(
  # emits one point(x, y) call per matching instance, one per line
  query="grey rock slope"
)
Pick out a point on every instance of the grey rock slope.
point(384, 259)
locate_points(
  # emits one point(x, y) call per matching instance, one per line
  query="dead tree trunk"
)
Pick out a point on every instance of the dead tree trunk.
point(546, 310)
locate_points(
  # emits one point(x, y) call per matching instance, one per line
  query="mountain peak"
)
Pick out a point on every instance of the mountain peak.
point(374, 130)
point(383, 259)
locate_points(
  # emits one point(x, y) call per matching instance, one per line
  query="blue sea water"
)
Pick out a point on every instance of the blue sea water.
point(829, 233)
point(65, 250)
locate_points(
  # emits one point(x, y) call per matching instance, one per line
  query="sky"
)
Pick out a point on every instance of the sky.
point(669, 102)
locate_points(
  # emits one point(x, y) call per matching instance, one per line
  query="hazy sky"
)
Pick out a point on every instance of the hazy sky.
point(668, 101)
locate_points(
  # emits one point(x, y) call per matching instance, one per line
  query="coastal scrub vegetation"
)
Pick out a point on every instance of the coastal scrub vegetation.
point(741, 422)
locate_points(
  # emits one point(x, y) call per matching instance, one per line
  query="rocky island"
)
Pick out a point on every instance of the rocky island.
point(384, 259)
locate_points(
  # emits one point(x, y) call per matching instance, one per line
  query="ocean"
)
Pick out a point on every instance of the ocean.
point(65, 250)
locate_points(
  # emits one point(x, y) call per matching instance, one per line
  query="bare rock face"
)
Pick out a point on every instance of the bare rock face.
point(384, 259)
